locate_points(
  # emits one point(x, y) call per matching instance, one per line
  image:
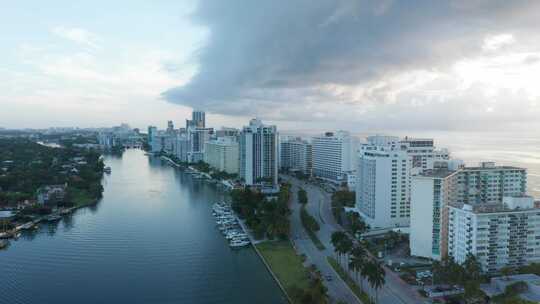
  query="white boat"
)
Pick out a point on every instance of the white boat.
point(236, 243)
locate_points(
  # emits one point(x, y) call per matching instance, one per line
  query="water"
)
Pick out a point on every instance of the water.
point(152, 239)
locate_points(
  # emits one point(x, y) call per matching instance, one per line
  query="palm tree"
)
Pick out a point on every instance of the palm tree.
point(336, 240)
point(357, 261)
point(376, 277)
point(345, 246)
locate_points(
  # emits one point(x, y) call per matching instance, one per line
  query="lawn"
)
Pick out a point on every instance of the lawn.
point(350, 282)
point(285, 264)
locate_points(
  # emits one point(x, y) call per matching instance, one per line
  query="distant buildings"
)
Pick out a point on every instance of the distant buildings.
point(332, 155)
point(122, 136)
point(222, 154)
point(296, 155)
point(259, 155)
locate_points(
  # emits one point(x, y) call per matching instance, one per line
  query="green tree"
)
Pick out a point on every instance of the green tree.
point(302, 196)
point(357, 261)
point(376, 277)
point(336, 239)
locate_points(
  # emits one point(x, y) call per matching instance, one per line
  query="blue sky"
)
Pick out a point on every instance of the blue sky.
point(327, 64)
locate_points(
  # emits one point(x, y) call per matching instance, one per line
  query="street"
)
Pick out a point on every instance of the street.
point(395, 290)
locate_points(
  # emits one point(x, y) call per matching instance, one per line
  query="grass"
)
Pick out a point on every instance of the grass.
point(312, 235)
point(286, 265)
point(350, 282)
point(315, 239)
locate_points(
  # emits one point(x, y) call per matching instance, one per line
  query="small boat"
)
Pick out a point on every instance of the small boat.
point(17, 235)
point(3, 244)
point(53, 218)
point(107, 170)
point(65, 211)
point(238, 243)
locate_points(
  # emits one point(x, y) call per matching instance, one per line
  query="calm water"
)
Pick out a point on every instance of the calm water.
point(152, 239)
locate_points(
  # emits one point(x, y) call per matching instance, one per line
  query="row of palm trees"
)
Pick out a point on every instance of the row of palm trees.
point(359, 261)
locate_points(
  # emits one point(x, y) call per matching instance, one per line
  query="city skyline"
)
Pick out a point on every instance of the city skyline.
point(84, 65)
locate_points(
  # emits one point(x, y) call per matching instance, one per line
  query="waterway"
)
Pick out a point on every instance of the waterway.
point(151, 239)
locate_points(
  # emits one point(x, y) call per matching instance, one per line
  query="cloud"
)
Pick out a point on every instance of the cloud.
point(79, 36)
point(325, 60)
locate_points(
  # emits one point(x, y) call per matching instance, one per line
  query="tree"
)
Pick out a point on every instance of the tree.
point(336, 239)
point(376, 277)
point(345, 246)
point(302, 196)
point(473, 269)
point(507, 271)
point(357, 262)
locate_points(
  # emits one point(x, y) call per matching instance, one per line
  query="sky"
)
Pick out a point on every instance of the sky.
point(465, 65)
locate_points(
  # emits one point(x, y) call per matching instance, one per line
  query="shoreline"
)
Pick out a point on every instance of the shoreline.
point(28, 225)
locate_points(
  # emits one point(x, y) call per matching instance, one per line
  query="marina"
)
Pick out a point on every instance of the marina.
point(229, 225)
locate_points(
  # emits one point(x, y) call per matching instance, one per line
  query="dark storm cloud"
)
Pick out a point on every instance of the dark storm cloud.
point(282, 53)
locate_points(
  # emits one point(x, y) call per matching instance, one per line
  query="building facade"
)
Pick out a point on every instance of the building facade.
point(259, 154)
point(332, 155)
point(505, 234)
point(385, 167)
point(296, 155)
point(223, 154)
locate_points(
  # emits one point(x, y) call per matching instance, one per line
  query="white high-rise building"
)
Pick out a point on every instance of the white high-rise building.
point(383, 177)
point(504, 234)
point(182, 147)
point(259, 154)
point(332, 155)
point(223, 154)
point(296, 155)
point(429, 202)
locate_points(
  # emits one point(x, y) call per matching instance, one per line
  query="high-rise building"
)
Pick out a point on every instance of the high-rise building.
point(383, 177)
point(434, 191)
point(503, 234)
point(259, 154)
point(332, 155)
point(170, 126)
point(296, 155)
point(182, 147)
point(152, 132)
point(199, 118)
point(429, 202)
point(489, 183)
point(223, 154)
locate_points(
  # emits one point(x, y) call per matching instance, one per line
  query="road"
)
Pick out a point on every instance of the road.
point(337, 288)
point(395, 290)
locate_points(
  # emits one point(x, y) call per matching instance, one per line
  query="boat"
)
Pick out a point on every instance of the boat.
point(3, 244)
point(65, 212)
point(17, 235)
point(53, 218)
point(238, 243)
point(27, 226)
point(107, 170)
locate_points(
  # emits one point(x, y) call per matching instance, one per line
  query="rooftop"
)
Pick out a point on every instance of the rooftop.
point(437, 173)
